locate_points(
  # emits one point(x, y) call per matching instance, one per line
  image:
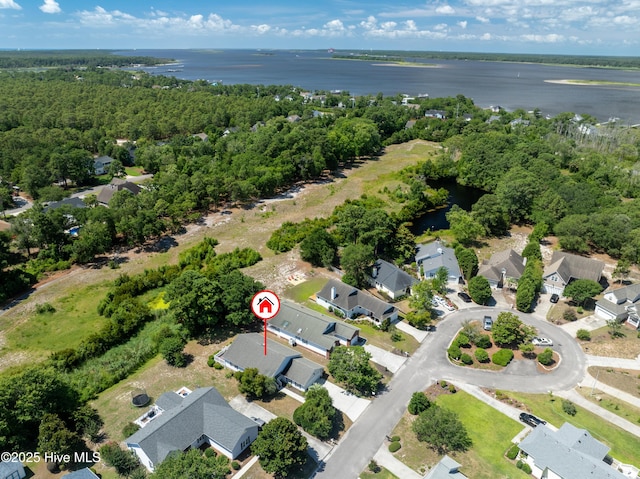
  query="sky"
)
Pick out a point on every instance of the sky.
point(584, 27)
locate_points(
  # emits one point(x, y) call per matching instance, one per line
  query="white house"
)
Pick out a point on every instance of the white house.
point(390, 279)
point(565, 267)
point(621, 304)
point(431, 257)
point(337, 295)
point(183, 422)
point(101, 164)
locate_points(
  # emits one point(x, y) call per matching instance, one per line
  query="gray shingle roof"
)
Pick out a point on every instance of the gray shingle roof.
point(629, 293)
point(247, 351)
point(446, 468)
point(435, 255)
point(116, 185)
point(169, 400)
point(571, 266)
point(570, 452)
point(204, 411)
point(614, 308)
point(74, 202)
point(509, 260)
point(348, 297)
point(84, 473)
point(316, 328)
point(392, 277)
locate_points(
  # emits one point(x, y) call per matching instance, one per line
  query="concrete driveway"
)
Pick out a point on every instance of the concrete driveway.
point(389, 360)
point(344, 401)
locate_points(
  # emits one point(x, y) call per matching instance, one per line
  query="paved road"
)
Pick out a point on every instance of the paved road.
point(429, 364)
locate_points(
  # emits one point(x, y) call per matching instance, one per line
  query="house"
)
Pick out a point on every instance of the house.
point(106, 193)
point(568, 453)
point(281, 363)
point(202, 136)
point(409, 124)
point(186, 421)
point(72, 202)
point(390, 279)
point(446, 468)
point(101, 164)
point(439, 114)
point(565, 267)
point(12, 470)
point(315, 331)
point(84, 473)
point(501, 267)
point(621, 304)
point(352, 302)
point(433, 256)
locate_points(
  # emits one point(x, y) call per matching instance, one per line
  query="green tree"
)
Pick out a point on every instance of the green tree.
point(517, 190)
point(94, 238)
point(6, 199)
point(356, 261)
point(440, 280)
point(116, 169)
point(53, 435)
point(491, 213)
point(350, 366)
point(254, 384)
point(480, 289)
point(467, 260)
point(421, 296)
point(195, 301)
point(353, 137)
point(316, 414)
point(509, 329)
point(192, 464)
point(546, 357)
point(442, 429)
point(319, 248)
point(581, 290)
point(463, 226)
point(282, 449)
point(171, 349)
point(622, 269)
point(419, 403)
point(124, 462)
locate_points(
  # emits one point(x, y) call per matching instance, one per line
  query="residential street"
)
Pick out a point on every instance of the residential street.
point(429, 364)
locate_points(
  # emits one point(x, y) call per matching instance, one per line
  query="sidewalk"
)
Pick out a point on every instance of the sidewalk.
point(588, 322)
point(592, 383)
point(389, 360)
point(415, 332)
point(617, 363)
point(387, 460)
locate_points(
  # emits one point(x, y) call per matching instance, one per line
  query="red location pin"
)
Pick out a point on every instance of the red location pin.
point(265, 305)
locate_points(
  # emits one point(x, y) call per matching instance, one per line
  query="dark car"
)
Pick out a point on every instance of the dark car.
point(464, 297)
point(554, 298)
point(531, 420)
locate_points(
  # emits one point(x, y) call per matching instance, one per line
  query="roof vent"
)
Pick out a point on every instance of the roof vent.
point(333, 293)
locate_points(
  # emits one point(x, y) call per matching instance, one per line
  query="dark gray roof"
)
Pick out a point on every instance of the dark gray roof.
point(204, 411)
point(435, 255)
point(103, 159)
point(570, 452)
point(392, 277)
point(302, 370)
point(169, 400)
point(73, 202)
point(84, 473)
point(508, 260)
point(629, 293)
point(614, 308)
point(348, 297)
point(316, 328)
point(247, 351)
point(571, 266)
point(116, 185)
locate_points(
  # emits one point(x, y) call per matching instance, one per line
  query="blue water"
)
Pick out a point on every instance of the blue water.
point(509, 85)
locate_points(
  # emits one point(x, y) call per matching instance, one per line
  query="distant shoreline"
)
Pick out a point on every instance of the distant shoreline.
point(592, 83)
point(408, 65)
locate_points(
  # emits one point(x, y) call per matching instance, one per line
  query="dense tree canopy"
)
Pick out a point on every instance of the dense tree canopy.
point(350, 366)
point(281, 447)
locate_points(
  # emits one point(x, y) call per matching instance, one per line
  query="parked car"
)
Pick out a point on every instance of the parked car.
point(487, 323)
point(554, 298)
point(541, 342)
point(531, 420)
point(464, 297)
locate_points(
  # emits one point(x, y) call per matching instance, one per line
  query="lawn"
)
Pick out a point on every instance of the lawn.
point(627, 380)
point(301, 293)
point(602, 344)
point(381, 474)
point(624, 446)
point(612, 404)
point(133, 170)
point(490, 431)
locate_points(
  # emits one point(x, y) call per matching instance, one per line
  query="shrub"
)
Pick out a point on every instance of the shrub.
point(583, 335)
point(45, 308)
point(481, 355)
point(129, 429)
point(466, 358)
point(454, 351)
point(519, 464)
point(502, 357)
point(211, 361)
point(396, 336)
point(394, 446)
point(218, 366)
point(208, 452)
point(452, 389)
point(395, 439)
point(526, 468)
point(373, 467)
point(569, 407)
point(235, 465)
point(171, 350)
point(418, 403)
point(443, 384)
point(569, 315)
point(483, 341)
point(546, 357)
point(463, 340)
point(512, 453)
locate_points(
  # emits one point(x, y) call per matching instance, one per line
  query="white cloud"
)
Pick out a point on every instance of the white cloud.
point(625, 20)
point(9, 4)
point(445, 10)
point(550, 38)
point(334, 26)
point(50, 6)
point(462, 24)
point(482, 19)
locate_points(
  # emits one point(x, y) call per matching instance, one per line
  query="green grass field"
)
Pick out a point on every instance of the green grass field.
point(624, 446)
point(382, 474)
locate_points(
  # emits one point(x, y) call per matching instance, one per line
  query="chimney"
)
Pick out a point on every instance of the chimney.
point(374, 272)
point(333, 293)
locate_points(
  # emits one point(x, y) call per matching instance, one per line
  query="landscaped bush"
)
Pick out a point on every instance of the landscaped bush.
point(443, 384)
point(466, 358)
point(583, 335)
point(211, 361)
point(546, 357)
point(481, 355)
point(569, 407)
point(208, 452)
point(218, 366)
point(129, 429)
point(395, 439)
point(374, 467)
point(512, 453)
point(454, 351)
point(502, 357)
point(483, 341)
point(462, 340)
point(235, 465)
point(452, 389)
point(45, 308)
point(394, 446)
point(419, 402)
point(569, 315)
point(526, 468)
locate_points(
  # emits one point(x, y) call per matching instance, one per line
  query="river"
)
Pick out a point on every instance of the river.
point(509, 85)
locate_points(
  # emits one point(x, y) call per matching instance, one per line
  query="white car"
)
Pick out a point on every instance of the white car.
point(541, 342)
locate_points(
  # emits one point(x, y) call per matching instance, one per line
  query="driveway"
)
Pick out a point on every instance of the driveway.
point(391, 361)
point(348, 403)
